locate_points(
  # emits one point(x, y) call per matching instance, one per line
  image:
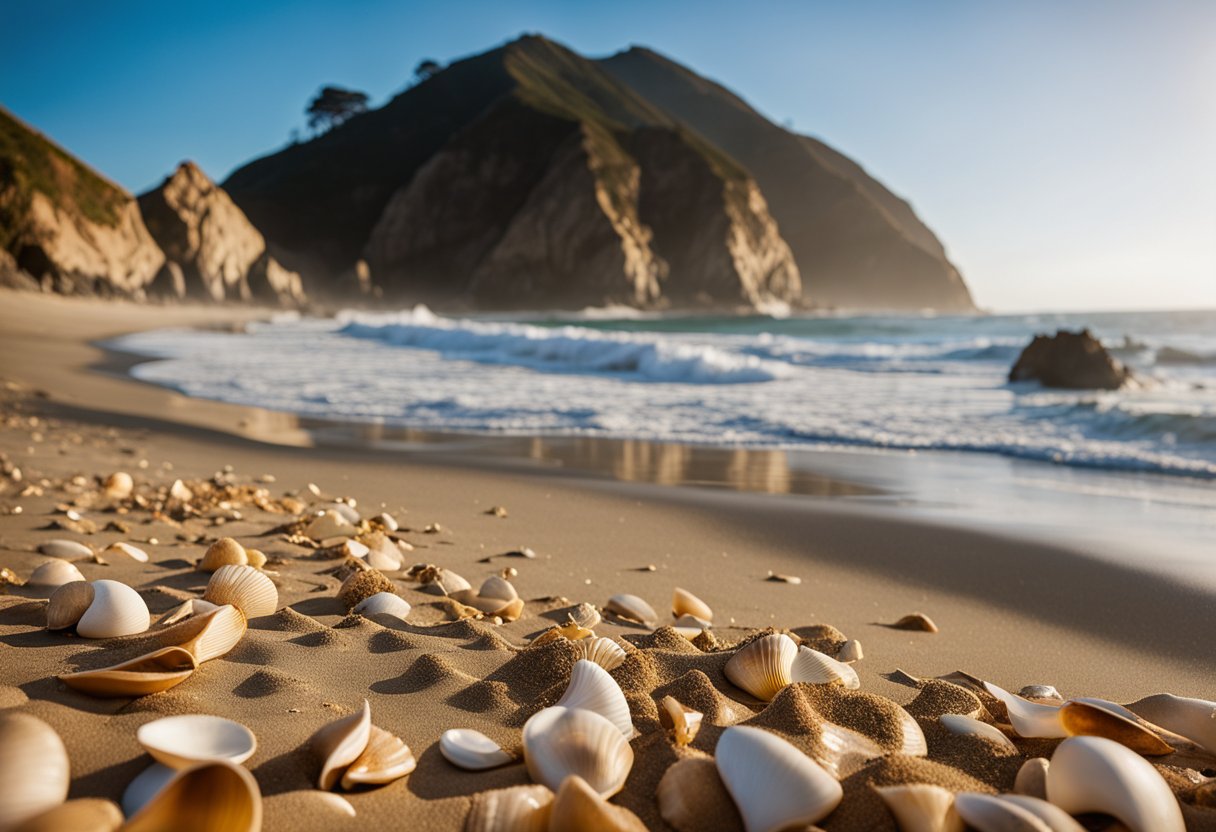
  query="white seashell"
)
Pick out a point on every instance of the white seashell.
point(340, 743)
point(472, 750)
point(54, 574)
point(985, 813)
point(1094, 774)
point(592, 689)
point(914, 744)
point(352, 548)
point(684, 722)
point(118, 485)
point(190, 739)
point(969, 727)
point(1054, 818)
point(689, 633)
point(762, 667)
point(382, 553)
point(691, 622)
point(517, 809)
point(436, 579)
point(186, 609)
point(387, 521)
point(245, 588)
point(576, 806)
point(133, 552)
point(774, 784)
point(117, 610)
point(1029, 719)
point(920, 807)
point(632, 608)
point(498, 587)
point(1194, 719)
point(845, 751)
point(328, 526)
point(209, 635)
point(1032, 778)
point(180, 491)
point(684, 602)
point(1099, 718)
point(603, 651)
point(559, 742)
point(850, 651)
point(223, 552)
point(585, 615)
point(145, 786)
point(67, 604)
point(214, 796)
point(344, 510)
point(383, 603)
point(1041, 693)
point(34, 773)
point(385, 758)
point(65, 549)
point(821, 669)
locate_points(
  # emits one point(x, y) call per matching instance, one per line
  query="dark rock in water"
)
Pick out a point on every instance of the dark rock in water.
point(1074, 360)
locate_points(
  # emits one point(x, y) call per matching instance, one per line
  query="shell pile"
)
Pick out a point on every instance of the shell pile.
point(353, 752)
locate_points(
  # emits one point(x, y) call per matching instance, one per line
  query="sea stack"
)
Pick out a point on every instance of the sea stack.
point(1075, 360)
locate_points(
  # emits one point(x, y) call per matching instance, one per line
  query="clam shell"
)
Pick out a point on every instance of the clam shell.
point(632, 608)
point(329, 525)
point(385, 759)
point(1098, 718)
point(603, 651)
point(34, 773)
point(1032, 778)
point(344, 510)
point(1029, 719)
point(88, 814)
point(774, 784)
point(187, 740)
point(585, 615)
point(118, 485)
point(67, 604)
point(117, 610)
point(683, 721)
point(559, 742)
point(340, 743)
point(517, 809)
point(850, 651)
point(985, 813)
point(245, 588)
point(211, 797)
point(437, 580)
point(498, 587)
point(920, 807)
point(592, 689)
point(969, 727)
point(54, 574)
point(508, 610)
point(1054, 818)
point(207, 636)
point(684, 602)
point(383, 603)
point(1194, 719)
point(762, 667)
point(223, 552)
point(577, 807)
point(1094, 774)
point(821, 669)
point(150, 673)
point(472, 750)
point(65, 549)
point(126, 549)
point(382, 553)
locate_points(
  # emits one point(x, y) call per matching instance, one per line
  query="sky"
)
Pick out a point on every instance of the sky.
point(1064, 151)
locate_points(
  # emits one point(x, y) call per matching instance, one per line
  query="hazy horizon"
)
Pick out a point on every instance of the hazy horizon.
point(1062, 154)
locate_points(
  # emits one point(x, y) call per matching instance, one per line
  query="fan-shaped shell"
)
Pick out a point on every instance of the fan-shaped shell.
point(684, 602)
point(34, 772)
point(821, 669)
point(517, 809)
point(117, 610)
point(603, 651)
point(969, 727)
point(472, 750)
point(187, 740)
point(559, 742)
point(245, 588)
point(54, 574)
point(774, 784)
point(1194, 719)
point(683, 721)
point(150, 673)
point(914, 744)
point(223, 552)
point(207, 636)
point(211, 797)
point(67, 604)
point(1094, 774)
point(1098, 718)
point(1029, 719)
point(385, 759)
point(986, 813)
point(127, 550)
point(383, 603)
point(920, 807)
point(340, 743)
point(498, 587)
point(592, 689)
point(632, 608)
point(1032, 778)
point(65, 549)
point(762, 667)
point(89, 814)
point(850, 651)
point(577, 807)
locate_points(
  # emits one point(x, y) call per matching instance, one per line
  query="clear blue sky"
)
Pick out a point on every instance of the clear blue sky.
point(1064, 151)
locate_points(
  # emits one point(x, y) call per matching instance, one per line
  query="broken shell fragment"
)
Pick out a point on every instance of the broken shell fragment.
point(684, 602)
point(821, 669)
point(151, 673)
point(585, 615)
point(1094, 774)
point(1054, 818)
point(245, 588)
point(783, 579)
point(211, 797)
point(915, 621)
point(1029, 719)
point(385, 759)
point(54, 574)
point(632, 608)
point(1041, 694)
point(126, 549)
point(195, 606)
point(65, 549)
point(187, 740)
point(570, 631)
point(67, 604)
point(603, 651)
point(472, 750)
point(117, 610)
point(34, 772)
point(986, 813)
point(1098, 718)
point(762, 667)
point(383, 603)
point(850, 652)
point(436, 579)
point(223, 552)
point(209, 635)
point(592, 689)
point(517, 809)
point(577, 807)
point(684, 722)
point(340, 743)
point(1194, 719)
point(968, 727)
point(559, 742)
point(920, 807)
point(1032, 778)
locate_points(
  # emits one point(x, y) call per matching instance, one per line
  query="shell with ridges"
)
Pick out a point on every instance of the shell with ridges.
point(517, 809)
point(559, 742)
point(1094, 774)
point(986, 813)
point(245, 588)
point(684, 602)
point(920, 807)
point(207, 636)
point(88, 814)
point(223, 552)
point(774, 784)
point(592, 689)
point(585, 615)
point(577, 807)
point(34, 774)
point(1032, 778)
point(67, 604)
point(126, 549)
point(472, 750)
point(1194, 719)
point(189, 739)
point(914, 743)
point(211, 797)
point(54, 574)
point(683, 721)
point(969, 727)
point(383, 603)
point(821, 669)
point(632, 608)
point(117, 610)
point(762, 667)
point(1055, 818)
point(603, 651)
point(1098, 718)
point(151, 673)
point(385, 759)
point(64, 549)
point(340, 743)
point(1029, 719)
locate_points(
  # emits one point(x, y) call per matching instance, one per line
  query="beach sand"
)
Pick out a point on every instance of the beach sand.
point(1010, 611)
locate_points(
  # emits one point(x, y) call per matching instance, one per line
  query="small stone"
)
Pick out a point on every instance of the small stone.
point(783, 579)
point(915, 621)
point(498, 511)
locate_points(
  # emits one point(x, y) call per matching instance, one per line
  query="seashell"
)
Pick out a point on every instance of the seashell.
point(207, 636)
point(1098, 718)
point(54, 574)
point(845, 751)
point(1040, 693)
point(499, 587)
point(920, 807)
point(88, 814)
point(383, 603)
point(145, 786)
point(386, 521)
point(65, 549)
point(1094, 774)
point(632, 608)
point(340, 743)
point(195, 606)
point(603, 651)
point(436, 579)
point(850, 651)
point(223, 552)
point(1194, 719)
point(821, 669)
point(1032, 778)
point(151, 673)
point(344, 510)
point(133, 552)
point(915, 621)
point(180, 492)
point(34, 774)
point(914, 744)
point(1029, 719)
point(559, 742)
point(352, 548)
point(685, 722)
point(691, 622)
point(507, 610)
point(577, 807)
point(774, 784)
point(67, 604)
point(382, 553)
point(385, 759)
point(985, 813)
point(762, 667)
point(1053, 817)
point(329, 525)
point(472, 750)
point(684, 602)
point(187, 740)
point(211, 797)
point(256, 558)
point(689, 633)
point(592, 689)
point(570, 631)
point(117, 610)
point(968, 727)
point(585, 616)
point(517, 809)
point(245, 588)
point(118, 485)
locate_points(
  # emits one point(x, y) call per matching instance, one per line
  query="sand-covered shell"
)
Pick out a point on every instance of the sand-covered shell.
point(683, 721)
point(507, 610)
point(632, 608)
point(1053, 817)
point(118, 485)
point(189, 739)
point(850, 651)
point(64, 549)
point(209, 635)
point(821, 669)
point(151, 673)
point(329, 525)
point(577, 807)
point(211, 797)
point(921, 807)
point(1029, 719)
point(1099, 718)
point(116, 610)
point(969, 727)
point(223, 552)
point(592, 689)
point(1031, 779)
point(383, 603)
point(54, 574)
point(127, 550)
point(88, 814)
point(986, 813)
point(684, 602)
point(67, 604)
point(517, 809)
point(472, 750)
point(559, 742)
point(844, 751)
point(1094, 774)
point(256, 558)
point(436, 579)
point(774, 785)
point(385, 758)
point(1194, 719)
point(245, 588)
point(340, 743)
point(603, 651)
point(34, 773)
point(762, 667)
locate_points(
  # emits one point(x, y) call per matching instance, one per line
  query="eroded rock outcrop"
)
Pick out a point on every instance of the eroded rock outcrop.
point(1074, 360)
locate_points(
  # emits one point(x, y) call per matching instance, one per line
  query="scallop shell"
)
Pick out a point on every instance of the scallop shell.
point(683, 721)
point(472, 750)
point(603, 651)
point(559, 742)
point(985, 813)
point(1094, 774)
point(207, 636)
point(127, 550)
point(920, 807)
point(385, 759)
point(329, 525)
point(968, 727)
point(632, 608)
point(1029, 719)
point(592, 689)
point(187, 740)
point(245, 588)
point(684, 602)
point(67, 604)
point(517, 809)
point(821, 669)
point(64, 549)
point(774, 784)
point(54, 574)
point(117, 610)
point(223, 552)
point(498, 587)
point(576, 806)
point(340, 743)
point(118, 485)
point(1054, 818)
point(34, 772)
point(1098, 718)
point(762, 667)
point(1032, 778)
point(850, 651)
point(150, 673)
point(211, 797)
point(1194, 719)
point(186, 609)
point(383, 603)
point(88, 814)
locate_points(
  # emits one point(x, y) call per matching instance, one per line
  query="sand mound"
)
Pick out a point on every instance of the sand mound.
point(664, 638)
point(863, 809)
point(533, 671)
point(876, 717)
point(268, 682)
point(322, 638)
point(394, 641)
point(485, 697)
point(288, 620)
point(695, 690)
point(427, 671)
point(822, 637)
point(937, 698)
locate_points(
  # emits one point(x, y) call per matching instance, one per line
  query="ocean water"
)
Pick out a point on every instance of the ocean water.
point(907, 382)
